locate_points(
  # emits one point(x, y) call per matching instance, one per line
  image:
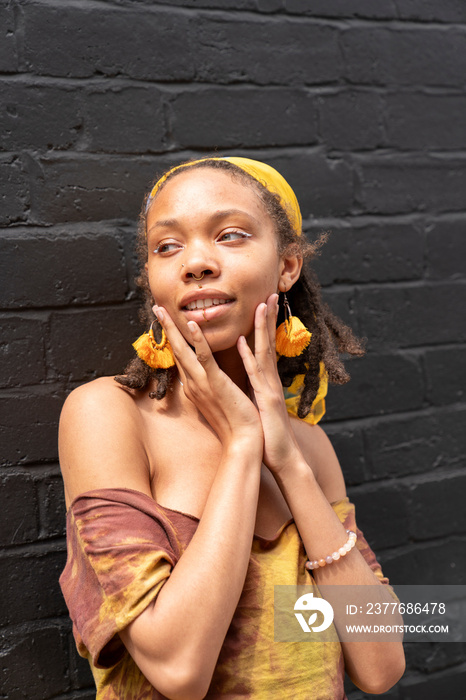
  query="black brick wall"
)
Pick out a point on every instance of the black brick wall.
point(361, 105)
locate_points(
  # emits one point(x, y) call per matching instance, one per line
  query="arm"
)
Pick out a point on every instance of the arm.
point(100, 447)
point(376, 666)
point(373, 666)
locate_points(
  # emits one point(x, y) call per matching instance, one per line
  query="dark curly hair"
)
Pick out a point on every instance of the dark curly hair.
point(330, 336)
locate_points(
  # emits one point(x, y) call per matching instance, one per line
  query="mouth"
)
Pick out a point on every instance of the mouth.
point(205, 303)
point(206, 306)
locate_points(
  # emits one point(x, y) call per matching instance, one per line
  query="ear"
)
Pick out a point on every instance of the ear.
point(290, 269)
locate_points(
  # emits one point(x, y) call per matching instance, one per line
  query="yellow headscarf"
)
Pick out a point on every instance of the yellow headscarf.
point(275, 183)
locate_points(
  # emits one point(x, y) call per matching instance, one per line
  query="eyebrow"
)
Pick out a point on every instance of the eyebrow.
point(216, 216)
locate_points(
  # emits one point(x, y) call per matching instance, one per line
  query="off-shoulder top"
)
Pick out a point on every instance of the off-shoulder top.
point(122, 547)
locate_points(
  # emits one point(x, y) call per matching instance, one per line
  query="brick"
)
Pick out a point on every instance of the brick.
point(254, 5)
point(381, 513)
point(34, 663)
point(379, 252)
point(79, 669)
point(30, 589)
point(445, 249)
point(38, 408)
point(449, 684)
point(387, 56)
point(51, 499)
point(14, 191)
point(85, 43)
point(400, 317)
point(383, 9)
point(323, 186)
point(22, 349)
point(68, 188)
point(429, 656)
point(22, 120)
point(425, 121)
point(351, 120)
point(89, 188)
point(243, 117)
point(78, 265)
point(18, 514)
point(125, 119)
point(434, 563)
point(234, 50)
point(445, 368)
point(8, 51)
point(416, 444)
point(390, 184)
point(379, 384)
point(442, 495)
point(341, 304)
point(431, 10)
point(104, 337)
point(349, 446)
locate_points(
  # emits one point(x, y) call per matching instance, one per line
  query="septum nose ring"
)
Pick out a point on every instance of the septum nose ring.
point(198, 279)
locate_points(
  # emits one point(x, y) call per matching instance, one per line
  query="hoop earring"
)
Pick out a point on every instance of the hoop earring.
point(292, 335)
point(156, 355)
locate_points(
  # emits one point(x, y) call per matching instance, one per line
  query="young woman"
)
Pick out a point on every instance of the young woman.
point(192, 485)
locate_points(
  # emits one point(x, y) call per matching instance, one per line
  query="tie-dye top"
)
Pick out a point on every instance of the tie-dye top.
point(122, 547)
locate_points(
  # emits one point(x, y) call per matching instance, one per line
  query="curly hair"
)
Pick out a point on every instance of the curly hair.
point(330, 336)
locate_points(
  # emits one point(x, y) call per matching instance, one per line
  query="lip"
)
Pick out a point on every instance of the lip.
point(211, 313)
point(204, 294)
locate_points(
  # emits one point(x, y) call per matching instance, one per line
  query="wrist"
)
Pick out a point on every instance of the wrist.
point(249, 447)
point(293, 468)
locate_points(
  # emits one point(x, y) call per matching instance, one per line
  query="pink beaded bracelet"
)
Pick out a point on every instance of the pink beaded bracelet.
point(347, 547)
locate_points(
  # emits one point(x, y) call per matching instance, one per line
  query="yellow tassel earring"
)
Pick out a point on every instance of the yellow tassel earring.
point(292, 335)
point(156, 355)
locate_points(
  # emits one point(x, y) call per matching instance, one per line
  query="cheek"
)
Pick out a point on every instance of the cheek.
point(161, 284)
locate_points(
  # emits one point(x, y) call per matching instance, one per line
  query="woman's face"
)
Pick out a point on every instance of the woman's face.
point(204, 222)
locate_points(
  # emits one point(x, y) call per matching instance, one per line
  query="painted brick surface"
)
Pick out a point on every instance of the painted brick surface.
point(361, 106)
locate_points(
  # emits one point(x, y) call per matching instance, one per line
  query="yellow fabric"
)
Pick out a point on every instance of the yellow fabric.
point(263, 173)
point(293, 394)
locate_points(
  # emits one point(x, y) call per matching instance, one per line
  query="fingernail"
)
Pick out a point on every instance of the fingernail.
point(191, 326)
point(158, 312)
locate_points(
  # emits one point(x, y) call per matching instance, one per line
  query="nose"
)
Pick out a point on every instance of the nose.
point(200, 262)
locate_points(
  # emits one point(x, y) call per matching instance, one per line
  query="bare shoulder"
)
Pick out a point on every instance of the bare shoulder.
point(320, 455)
point(100, 443)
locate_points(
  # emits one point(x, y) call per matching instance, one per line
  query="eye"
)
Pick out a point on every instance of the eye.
point(235, 235)
point(166, 247)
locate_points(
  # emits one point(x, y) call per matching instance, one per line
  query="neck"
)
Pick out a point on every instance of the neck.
point(231, 363)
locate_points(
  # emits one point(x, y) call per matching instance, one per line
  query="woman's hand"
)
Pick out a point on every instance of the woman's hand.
point(226, 408)
point(280, 446)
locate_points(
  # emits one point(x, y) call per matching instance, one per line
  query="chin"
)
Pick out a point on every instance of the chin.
point(220, 342)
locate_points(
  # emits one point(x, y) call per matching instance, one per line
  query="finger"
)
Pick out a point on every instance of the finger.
point(264, 350)
point(201, 347)
point(251, 365)
point(184, 356)
point(261, 338)
point(272, 313)
point(246, 354)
